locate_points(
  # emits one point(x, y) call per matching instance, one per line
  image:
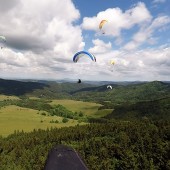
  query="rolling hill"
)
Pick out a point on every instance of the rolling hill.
point(131, 93)
point(155, 110)
point(133, 134)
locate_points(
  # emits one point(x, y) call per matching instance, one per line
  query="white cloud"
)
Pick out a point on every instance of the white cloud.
point(118, 20)
point(145, 34)
point(100, 46)
point(148, 64)
point(12, 58)
point(41, 26)
point(40, 36)
point(43, 37)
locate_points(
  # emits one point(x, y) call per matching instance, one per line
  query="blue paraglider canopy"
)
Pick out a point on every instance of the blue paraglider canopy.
point(79, 54)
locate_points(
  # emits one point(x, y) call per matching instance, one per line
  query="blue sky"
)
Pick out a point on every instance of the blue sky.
point(92, 8)
point(42, 39)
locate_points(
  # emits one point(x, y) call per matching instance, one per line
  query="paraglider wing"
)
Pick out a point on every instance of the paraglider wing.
point(109, 86)
point(102, 23)
point(2, 38)
point(2, 41)
point(62, 157)
point(94, 58)
point(79, 54)
point(112, 62)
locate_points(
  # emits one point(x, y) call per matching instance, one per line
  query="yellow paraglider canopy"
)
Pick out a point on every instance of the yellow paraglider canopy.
point(112, 62)
point(102, 23)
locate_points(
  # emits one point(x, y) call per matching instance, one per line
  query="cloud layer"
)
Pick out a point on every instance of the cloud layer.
point(43, 37)
point(40, 35)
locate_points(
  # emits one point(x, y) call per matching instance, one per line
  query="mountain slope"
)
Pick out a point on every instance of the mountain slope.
point(87, 92)
point(155, 110)
point(130, 93)
point(13, 87)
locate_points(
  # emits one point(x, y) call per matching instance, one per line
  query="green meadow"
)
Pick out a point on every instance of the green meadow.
point(4, 97)
point(17, 118)
point(88, 108)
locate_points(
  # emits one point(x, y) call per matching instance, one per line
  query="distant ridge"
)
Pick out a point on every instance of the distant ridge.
point(86, 91)
point(14, 87)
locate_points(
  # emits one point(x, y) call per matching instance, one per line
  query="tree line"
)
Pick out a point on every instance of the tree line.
point(113, 145)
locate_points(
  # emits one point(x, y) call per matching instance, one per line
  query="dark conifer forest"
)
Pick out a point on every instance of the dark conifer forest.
point(135, 135)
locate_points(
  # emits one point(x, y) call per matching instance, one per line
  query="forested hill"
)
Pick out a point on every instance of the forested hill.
point(131, 93)
point(142, 142)
point(13, 87)
point(48, 89)
point(126, 93)
point(117, 145)
point(155, 110)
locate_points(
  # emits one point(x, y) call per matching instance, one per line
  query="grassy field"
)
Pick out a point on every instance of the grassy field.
point(4, 97)
point(88, 108)
point(34, 98)
point(17, 118)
